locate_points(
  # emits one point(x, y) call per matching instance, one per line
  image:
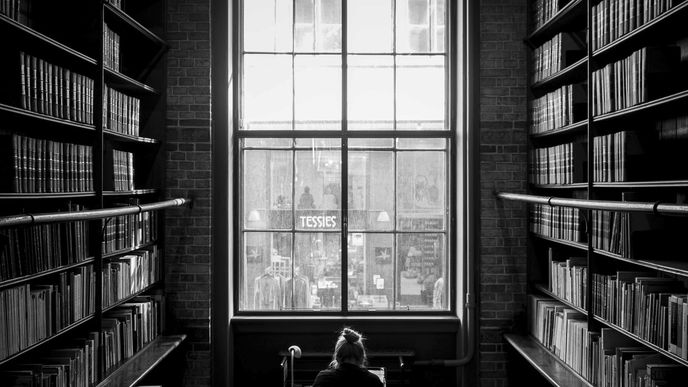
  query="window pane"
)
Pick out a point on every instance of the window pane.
point(422, 143)
point(371, 92)
point(422, 265)
point(421, 92)
point(267, 25)
point(363, 143)
point(267, 183)
point(371, 271)
point(421, 179)
point(370, 26)
point(265, 265)
point(318, 26)
point(267, 142)
point(421, 26)
point(371, 191)
point(318, 88)
point(267, 82)
point(318, 190)
point(318, 259)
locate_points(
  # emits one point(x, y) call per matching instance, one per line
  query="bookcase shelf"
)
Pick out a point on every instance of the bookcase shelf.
point(640, 340)
point(566, 75)
point(116, 16)
point(543, 289)
point(576, 245)
point(620, 161)
point(545, 362)
point(575, 128)
point(675, 99)
point(61, 60)
point(125, 83)
point(38, 117)
point(31, 277)
point(63, 332)
point(137, 367)
point(663, 23)
point(570, 12)
point(37, 37)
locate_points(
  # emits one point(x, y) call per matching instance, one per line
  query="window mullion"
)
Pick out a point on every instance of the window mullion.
point(345, 165)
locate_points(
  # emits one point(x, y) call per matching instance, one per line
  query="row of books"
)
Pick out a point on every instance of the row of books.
point(653, 308)
point(129, 275)
point(606, 358)
point(558, 108)
point(615, 155)
point(613, 19)
point(33, 312)
point(123, 164)
point(564, 331)
point(673, 128)
point(129, 231)
point(543, 11)
point(559, 164)
point(115, 3)
point(38, 165)
point(74, 364)
point(15, 9)
point(50, 89)
point(125, 331)
point(554, 55)
point(111, 49)
point(556, 222)
point(121, 113)
point(609, 230)
point(129, 327)
point(34, 249)
point(644, 75)
point(568, 279)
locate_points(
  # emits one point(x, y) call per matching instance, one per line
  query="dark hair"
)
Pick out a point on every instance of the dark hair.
point(349, 349)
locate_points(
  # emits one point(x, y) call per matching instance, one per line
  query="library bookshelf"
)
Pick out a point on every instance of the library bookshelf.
point(608, 199)
point(82, 116)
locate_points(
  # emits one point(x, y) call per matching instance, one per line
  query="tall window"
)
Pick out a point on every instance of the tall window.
point(344, 155)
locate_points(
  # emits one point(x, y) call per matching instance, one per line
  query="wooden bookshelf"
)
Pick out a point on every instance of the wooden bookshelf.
point(59, 65)
point(545, 362)
point(663, 99)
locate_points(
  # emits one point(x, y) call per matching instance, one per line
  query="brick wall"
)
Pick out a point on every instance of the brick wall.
point(188, 162)
point(502, 168)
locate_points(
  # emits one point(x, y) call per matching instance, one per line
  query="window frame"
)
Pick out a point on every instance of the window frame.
point(450, 135)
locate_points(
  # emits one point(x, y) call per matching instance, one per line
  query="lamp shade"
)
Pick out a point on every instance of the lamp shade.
point(253, 216)
point(383, 216)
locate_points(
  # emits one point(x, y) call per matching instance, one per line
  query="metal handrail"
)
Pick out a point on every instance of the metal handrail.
point(52, 217)
point(649, 207)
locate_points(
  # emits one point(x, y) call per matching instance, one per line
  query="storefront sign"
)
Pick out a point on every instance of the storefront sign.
point(318, 221)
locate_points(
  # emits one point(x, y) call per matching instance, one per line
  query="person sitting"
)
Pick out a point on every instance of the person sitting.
point(348, 364)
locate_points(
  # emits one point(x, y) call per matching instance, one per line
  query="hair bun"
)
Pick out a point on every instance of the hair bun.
point(351, 336)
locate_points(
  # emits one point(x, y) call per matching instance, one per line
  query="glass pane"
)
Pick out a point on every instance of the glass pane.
point(267, 189)
point(362, 143)
point(267, 25)
point(421, 143)
point(371, 191)
point(267, 142)
point(421, 187)
point(413, 26)
point(267, 83)
point(438, 24)
point(319, 143)
point(370, 26)
point(318, 261)
point(265, 266)
point(371, 92)
point(420, 92)
point(318, 88)
point(318, 190)
point(421, 267)
point(371, 271)
point(318, 26)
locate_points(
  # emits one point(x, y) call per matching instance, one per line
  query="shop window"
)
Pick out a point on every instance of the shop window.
point(344, 212)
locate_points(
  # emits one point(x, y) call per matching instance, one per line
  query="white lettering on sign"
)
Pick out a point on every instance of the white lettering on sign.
point(320, 221)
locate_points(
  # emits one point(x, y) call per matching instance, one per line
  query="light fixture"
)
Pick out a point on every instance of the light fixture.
point(253, 216)
point(383, 216)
